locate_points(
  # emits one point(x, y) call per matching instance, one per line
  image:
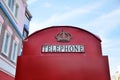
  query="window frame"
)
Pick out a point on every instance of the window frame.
point(11, 5)
point(4, 43)
point(6, 1)
point(25, 34)
point(14, 52)
point(14, 6)
point(16, 10)
point(0, 27)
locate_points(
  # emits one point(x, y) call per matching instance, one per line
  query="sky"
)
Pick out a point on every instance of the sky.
point(101, 17)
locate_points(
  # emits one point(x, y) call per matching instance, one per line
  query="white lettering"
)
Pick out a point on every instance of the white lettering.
point(62, 48)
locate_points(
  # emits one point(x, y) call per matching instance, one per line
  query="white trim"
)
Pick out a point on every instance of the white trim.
point(14, 51)
point(1, 19)
point(0, 27)
point(7, 67)
point(7, 61)
point(16, 39)
point(6, 1)
point(10, 10)
point(9, 29)
point(16, 10)
point(24, 34)
point(11, 5)
point(1, 69)
point(8, 43)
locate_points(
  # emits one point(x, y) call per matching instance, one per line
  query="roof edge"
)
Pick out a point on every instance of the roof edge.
point(66, 26)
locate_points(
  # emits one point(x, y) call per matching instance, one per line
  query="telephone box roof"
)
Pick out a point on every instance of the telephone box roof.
point(97, 37)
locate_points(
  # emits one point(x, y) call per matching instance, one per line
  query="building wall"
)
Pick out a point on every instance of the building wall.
point(21, 14)
point(14, 27)
point(14, 34)
point(116, 76)
point(19, 21)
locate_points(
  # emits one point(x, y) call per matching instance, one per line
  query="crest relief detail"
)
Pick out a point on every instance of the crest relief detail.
point(63, 36)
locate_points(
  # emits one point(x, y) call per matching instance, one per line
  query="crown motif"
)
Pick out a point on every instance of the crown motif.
point(63, 36)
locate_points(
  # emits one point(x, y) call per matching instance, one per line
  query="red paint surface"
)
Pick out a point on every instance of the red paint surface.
point(34, 65)
point(4, 76)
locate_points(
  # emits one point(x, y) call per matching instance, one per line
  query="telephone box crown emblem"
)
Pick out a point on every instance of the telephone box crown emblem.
point(63, 36)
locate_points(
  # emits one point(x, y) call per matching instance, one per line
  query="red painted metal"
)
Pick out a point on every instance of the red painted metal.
point(35, 65)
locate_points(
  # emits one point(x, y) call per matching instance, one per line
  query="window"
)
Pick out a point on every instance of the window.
point(6, 1)
point(25, 34)
point(0, 27)
point(16, 10)
point(11, 4)
point(14, 51)
point(26, 21)
point(13, 7)
point(6, 43)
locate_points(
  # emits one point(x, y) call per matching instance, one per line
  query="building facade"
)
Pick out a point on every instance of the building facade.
point(116, 76)
point(13, 24)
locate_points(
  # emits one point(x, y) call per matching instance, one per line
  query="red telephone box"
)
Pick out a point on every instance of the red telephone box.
point(62, 53)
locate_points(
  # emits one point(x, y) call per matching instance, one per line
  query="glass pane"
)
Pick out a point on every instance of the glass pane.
point(0, 27)
point(12, 5)
point(9, 3)
point(6, 43)
point(24, 34)
point(16, 10)
point(14, 51)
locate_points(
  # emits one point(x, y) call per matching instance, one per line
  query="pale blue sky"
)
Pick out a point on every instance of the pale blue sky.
point(101, 17)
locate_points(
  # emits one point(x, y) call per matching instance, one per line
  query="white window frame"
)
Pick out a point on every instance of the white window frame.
point(24, 34)
point(0, 27)
point(16, 10)
point(8, 43)
point(11, 4)
point(6, 1)
point(14, 53)
point(14, 6)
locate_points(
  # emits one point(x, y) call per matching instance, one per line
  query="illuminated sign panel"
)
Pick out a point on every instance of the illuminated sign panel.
point(63, 48)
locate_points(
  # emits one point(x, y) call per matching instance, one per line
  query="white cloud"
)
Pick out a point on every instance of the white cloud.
point(71, 14)
point(105, 23)
point(47, 4)
point(31, 1)
point(103, 26)
point(34, 26)
point(118, 67)
point(111, 46)
point(58, 18)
